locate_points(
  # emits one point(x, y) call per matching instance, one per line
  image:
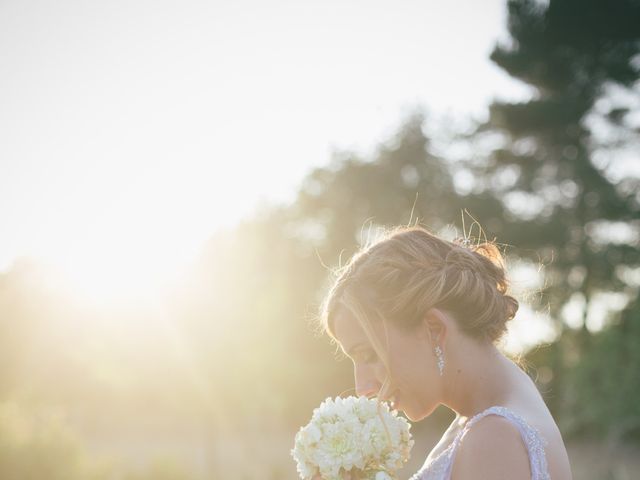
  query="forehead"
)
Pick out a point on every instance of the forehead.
point(347, 329)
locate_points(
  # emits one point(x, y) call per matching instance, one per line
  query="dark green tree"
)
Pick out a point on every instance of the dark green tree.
point(404, 180)
point(553, 156)
point(603, 388)
point(569, 52)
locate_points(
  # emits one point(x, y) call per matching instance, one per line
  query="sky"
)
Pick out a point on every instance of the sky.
point(132, 130)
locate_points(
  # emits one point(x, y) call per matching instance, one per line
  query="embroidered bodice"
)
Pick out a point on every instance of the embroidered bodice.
point(439, 467)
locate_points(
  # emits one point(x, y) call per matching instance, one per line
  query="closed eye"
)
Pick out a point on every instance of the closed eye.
point(364, 356)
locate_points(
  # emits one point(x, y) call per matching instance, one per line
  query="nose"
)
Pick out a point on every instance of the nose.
point(366, 382)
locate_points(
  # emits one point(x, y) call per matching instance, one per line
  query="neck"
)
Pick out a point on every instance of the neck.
point(478, 377)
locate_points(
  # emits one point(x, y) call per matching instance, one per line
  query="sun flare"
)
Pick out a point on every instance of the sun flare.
point(108, 266)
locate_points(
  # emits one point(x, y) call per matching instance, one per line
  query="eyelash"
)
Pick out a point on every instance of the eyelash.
point(365, 357)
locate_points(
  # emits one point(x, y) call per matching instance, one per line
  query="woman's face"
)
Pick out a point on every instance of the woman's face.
point(415, 384)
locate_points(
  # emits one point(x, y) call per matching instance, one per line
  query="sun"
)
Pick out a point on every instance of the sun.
point(120, 264)
point(113, 276)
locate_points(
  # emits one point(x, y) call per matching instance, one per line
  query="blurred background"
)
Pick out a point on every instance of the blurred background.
point(177, 180)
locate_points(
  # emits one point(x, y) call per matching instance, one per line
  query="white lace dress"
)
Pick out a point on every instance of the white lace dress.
point(439, 467)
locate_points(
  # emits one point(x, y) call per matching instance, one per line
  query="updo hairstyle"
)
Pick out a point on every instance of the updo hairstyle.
point(408, 270)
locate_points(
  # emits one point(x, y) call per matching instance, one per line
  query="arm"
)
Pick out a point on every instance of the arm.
point(493, 448)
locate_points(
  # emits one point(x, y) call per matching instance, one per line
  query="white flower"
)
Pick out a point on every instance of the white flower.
point(383, 476)
point(352, 433)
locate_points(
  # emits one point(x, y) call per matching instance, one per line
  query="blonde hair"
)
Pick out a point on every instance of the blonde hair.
point(407, 271)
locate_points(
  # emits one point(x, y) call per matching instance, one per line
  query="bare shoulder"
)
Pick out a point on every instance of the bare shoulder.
point(492, 448)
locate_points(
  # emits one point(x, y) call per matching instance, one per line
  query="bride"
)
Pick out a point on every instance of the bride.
point(420, 317)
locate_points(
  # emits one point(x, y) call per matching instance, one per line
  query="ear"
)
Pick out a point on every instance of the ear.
point(435, 325)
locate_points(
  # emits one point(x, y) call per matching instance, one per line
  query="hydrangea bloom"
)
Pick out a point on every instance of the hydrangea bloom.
point(353, 434)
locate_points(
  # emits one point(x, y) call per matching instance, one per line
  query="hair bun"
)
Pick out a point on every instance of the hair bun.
point(409, 270)
point(461, 258)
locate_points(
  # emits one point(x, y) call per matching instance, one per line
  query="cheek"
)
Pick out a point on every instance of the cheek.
point(380, 371)
point(368, 374)
point(372, 375)
point(412, 361)
point(411, 372)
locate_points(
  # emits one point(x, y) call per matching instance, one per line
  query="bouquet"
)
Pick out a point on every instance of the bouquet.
point(352, 437)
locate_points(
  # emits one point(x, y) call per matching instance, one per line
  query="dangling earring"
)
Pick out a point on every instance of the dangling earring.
point(440, 359)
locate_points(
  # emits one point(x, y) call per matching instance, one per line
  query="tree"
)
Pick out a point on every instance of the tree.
point(403, 178)
point(560, 194)
point(569, 52)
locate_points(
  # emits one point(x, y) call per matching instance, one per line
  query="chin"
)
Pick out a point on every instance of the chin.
point(409, 412)
point(415, 414)
point(413, 417)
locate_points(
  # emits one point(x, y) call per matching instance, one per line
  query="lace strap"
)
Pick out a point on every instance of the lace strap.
point(533, 440)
